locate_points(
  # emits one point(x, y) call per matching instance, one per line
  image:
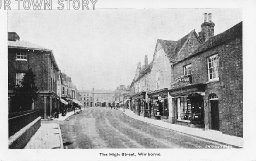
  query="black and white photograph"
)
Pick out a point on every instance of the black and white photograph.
point(119, 81)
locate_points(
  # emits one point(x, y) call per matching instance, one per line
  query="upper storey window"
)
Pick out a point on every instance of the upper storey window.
point(187, 69)
point(213, 65)
point(21, 57)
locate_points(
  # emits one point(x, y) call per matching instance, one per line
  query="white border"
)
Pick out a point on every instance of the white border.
point(245, 154)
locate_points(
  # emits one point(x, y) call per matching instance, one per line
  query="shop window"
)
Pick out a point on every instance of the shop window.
point(21, 56)
point(184, 108)
point(213, 65)
point(19, 78)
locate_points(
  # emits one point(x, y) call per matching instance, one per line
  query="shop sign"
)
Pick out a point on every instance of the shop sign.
point(182, 81)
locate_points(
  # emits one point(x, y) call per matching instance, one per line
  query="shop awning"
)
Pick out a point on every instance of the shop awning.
point(161, 92)
point(63, 101)
point(77, 102)
point(186, 90)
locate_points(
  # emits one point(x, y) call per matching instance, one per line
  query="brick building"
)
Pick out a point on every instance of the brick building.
point(152, 81)
point(197, 79)
point(207, 86)
point(24, 55)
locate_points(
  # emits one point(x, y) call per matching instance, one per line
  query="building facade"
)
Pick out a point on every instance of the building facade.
point(86, 98)
point(196, 81)
point(23, 56)
point(207, 87)
point(92, 98)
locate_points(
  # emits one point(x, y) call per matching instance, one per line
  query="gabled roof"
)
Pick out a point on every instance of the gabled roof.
point(222, 38)
point(168, 46)
point(143, 72)
point(232, 33)
point(172, 48)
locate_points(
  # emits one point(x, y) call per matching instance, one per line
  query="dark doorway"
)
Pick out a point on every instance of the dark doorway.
point(215, 114)
point(197, 108)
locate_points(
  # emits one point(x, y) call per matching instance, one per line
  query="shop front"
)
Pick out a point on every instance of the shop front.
point(188, 105)
point(158, 104)
point(139, 103)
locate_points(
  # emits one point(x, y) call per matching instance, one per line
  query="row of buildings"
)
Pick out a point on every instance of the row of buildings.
point(55, 89)
point(104, 98)
point(195, 81)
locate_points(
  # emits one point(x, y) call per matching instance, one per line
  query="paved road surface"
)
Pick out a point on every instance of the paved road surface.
point(99, 127)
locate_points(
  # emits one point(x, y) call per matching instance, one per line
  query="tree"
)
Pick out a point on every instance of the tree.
point(26, 93)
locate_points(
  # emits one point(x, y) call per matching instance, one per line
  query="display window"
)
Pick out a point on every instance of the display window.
point(190, 109)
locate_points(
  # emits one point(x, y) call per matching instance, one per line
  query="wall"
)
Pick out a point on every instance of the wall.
point(229, 88)
point(161, 67)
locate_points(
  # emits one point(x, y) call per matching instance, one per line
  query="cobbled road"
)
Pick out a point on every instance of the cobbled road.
point(100, 127)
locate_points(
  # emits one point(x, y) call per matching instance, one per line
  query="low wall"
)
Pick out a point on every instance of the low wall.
point(22, 137)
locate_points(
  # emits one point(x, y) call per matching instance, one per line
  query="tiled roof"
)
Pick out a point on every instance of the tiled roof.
point(172, 48)
point(232, 33)
point(143, 72)
point(168, 47)
point(25, 45)
point(29, 46)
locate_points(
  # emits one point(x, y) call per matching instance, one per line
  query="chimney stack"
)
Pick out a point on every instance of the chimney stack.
point(205, 17)
point(139, 66)
point(210, 17)
point(146, 60)
point(207, 28)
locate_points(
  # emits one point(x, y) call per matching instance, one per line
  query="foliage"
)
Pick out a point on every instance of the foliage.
point(26, 93)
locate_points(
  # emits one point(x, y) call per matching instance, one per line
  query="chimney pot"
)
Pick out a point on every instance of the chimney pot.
point(205, 17)
point(146, 60)
point(210, 17)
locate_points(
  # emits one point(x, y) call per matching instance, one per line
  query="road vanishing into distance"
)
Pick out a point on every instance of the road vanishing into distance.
point(103, 128)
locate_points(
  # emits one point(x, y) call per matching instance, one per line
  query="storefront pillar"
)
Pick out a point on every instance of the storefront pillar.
point(206, 115)
point(170, 107)
point(50, 106)
point(44, 107)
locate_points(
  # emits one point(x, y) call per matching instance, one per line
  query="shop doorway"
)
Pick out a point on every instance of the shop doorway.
point(214, 103)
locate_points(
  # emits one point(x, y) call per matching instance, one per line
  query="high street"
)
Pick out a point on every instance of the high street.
point(100, 127)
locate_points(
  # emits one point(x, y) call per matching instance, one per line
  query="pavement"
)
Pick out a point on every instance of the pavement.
point(208, 134)
point(48, 136)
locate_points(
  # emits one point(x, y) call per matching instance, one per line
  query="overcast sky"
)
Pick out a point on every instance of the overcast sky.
point(101, 48)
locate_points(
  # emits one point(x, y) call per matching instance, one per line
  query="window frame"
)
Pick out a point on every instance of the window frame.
point(212, 71)
point(21, 56)
point(185, 67)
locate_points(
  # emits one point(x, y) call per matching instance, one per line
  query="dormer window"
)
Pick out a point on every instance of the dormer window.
point(21, 57)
